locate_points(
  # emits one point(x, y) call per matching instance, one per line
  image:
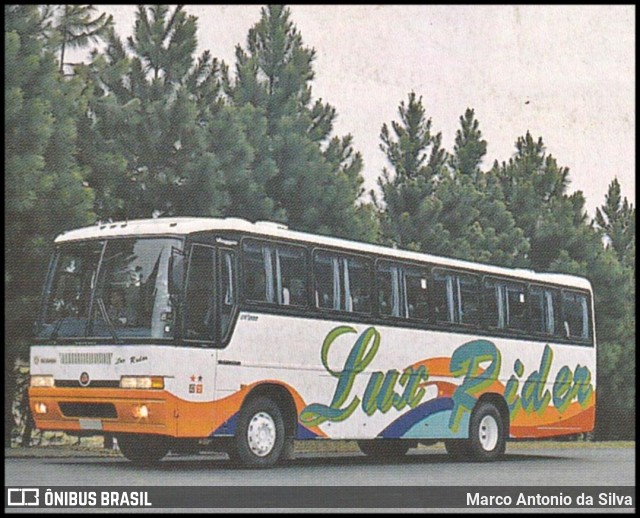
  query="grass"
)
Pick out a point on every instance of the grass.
point(561, 445)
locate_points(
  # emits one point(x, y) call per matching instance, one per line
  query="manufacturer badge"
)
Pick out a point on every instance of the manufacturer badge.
point(84, 379)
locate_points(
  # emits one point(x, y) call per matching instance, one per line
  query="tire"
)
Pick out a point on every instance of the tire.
point(487, 433)
point(143, 449)
point(384, 448)
point(260, 436)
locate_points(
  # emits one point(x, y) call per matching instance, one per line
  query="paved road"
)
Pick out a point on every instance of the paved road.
point(524, 467)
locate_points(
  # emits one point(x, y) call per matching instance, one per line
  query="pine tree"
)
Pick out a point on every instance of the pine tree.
point(313, 179)
point(534, 188)
point(563, 239)
point(45, 190)
point(418, 161)
point(74, 26)
point(439, 209)
point(469, 148)
point(162, 139)
point(617, 219)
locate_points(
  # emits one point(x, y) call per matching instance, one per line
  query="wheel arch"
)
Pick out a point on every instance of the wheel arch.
point(499, 402)
point(281, 396)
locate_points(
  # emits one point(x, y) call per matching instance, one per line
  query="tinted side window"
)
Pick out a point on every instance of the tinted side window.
point(402, 291)
point(516, 307)
point(200, 301)
point(505, 305)
point(456, 298)
point(494, 304)
point(357, 282)
point(545, 311)
point(257, 268)
point(468, 299)
point(415, 290)
point(326, 269)
point(342, 282)
point(291, 276)
point(388, 278)
point(443, 297)
point(575, 310)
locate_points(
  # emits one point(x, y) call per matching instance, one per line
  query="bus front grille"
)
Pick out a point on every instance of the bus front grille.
point(99, 410)
point(76, 358)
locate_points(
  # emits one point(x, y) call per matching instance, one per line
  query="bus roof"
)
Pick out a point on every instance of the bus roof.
point(183, 226)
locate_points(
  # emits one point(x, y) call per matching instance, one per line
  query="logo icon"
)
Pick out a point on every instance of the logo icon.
point(22, 496)
point(84, 379)
point(36, 360)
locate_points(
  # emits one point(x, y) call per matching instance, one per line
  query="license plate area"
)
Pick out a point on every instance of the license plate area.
point(90, 424)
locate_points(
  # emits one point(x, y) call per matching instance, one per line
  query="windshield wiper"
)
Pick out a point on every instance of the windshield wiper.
point(105, 316)
point(56, 328)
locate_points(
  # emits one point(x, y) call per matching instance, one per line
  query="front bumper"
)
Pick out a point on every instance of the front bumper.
point(91, 409)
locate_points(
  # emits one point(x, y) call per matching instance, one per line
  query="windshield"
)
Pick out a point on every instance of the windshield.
point(115, 289)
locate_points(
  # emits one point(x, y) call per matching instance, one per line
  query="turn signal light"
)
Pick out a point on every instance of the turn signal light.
point(142, 382)
point(42, 381)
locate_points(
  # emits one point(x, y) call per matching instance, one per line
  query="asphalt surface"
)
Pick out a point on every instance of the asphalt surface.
point(526, 467)
point(427, 467)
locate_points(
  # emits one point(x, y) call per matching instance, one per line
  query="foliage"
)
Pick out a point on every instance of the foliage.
point(440, 203)
point(313, 179)
point(72, 27)
point(617, 219)
point(45, 187)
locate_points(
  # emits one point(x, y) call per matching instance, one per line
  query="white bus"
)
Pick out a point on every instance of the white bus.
point(178, 334)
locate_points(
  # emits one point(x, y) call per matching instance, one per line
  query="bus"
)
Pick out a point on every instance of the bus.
point(186, 334)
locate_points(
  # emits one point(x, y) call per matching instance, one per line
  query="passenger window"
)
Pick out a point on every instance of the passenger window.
point(505, 305)
point(357, 279)
point(468, 300)
point(416, 290)
point(402, 291)
point(544, 310)
point(258, 280)
point(200, 301)
point(275, 273)
point(494, 307)
point(291, 276)
point(326, 269)
point(443, 298)
point(388, 290)
point(342, 283)
point(576, 315)
point(516, 307)
point(456, 298)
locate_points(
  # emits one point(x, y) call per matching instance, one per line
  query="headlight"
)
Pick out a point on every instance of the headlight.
point(40, 408)
point(42, 381)
point(142, 382)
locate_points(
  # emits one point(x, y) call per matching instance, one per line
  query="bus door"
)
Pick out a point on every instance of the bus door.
point(210, 297)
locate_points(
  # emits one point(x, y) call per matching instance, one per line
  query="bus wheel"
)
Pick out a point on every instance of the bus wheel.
point(260, 437)
point(384, 448)
point(143, 449)
point(487, 439)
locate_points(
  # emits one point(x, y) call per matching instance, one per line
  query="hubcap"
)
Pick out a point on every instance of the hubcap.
point(261, 434)
point(488, 433)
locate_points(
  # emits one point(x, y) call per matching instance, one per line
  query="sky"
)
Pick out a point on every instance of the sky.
point(563, 73)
